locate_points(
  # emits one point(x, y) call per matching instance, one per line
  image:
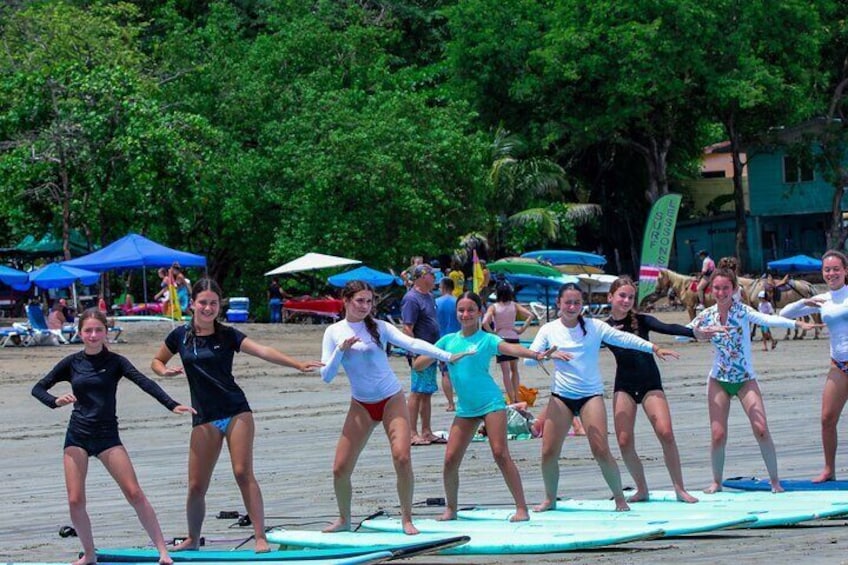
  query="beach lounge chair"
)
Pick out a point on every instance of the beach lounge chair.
point(16, 334)
point(38, 326)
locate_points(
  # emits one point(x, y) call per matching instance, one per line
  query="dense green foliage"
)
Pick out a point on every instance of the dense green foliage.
point(253, 131)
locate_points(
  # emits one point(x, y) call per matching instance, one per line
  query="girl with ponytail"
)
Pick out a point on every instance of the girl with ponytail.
point(357, 344)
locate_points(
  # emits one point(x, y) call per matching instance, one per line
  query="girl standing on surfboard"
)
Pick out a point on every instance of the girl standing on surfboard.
point(357, 344)
point(732, 373)
point(637, 381)
point(478, 399)
point(206, 348)
point(93, 374)
point(577, 388)
point(833, 306)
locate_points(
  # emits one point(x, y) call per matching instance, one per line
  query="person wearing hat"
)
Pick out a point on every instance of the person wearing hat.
point(707, 268)
point(418, 312)
point(766, 307)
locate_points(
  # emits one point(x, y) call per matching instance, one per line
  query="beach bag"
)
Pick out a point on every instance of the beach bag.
point(527, 395)
point(518, 422)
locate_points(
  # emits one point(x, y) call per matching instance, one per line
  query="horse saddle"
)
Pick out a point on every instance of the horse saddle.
point(693, 287)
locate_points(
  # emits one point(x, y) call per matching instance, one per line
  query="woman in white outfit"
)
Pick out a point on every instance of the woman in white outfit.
point(357, 344)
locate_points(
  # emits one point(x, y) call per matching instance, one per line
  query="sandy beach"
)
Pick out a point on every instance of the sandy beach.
point(298, 420)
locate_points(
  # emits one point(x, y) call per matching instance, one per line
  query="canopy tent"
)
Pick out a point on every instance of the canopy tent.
point(312, 262)
point(59, 275)
point(796, 264)
point(18, 280)
point(48, 246)
point(134, 251)
point(366, 274)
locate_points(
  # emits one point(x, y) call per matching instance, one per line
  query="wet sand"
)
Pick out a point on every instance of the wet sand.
point(298, 420)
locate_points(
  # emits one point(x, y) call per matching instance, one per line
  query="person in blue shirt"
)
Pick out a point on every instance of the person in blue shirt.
point(448, 324)
point(479, 399)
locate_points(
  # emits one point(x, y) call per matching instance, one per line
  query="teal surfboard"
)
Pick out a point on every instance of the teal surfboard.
point(673, 524)
point(790, 485)
point(150, 555)
point(368, 558)
point(770, 509)
point(480, 543)
point(406, 547)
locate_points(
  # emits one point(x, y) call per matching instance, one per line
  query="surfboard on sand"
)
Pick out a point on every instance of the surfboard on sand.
point(367, 558)
point(771, 510)
point(672, 523)
point(499, 543)
point(406, 547)
point(752, 483)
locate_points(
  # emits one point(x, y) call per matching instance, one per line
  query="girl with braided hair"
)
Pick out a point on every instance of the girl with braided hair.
point(206, 348)
point(357, 344)
point(637, 381)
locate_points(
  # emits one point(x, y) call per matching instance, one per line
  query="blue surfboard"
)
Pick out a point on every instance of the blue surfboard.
point(751, 483)
point(368, 558)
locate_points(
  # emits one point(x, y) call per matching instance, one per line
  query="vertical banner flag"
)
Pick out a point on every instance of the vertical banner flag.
point(657, 242)
point(476, 274)
point(176, 312)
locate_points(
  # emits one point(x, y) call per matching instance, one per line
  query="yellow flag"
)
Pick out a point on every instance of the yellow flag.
point(476, 275)
point(174, 300)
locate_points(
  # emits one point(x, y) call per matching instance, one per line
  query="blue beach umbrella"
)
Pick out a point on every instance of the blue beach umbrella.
point(366, 274)
point(796, 264)
point(568, 257)
point(18, 280)
point(57, 275)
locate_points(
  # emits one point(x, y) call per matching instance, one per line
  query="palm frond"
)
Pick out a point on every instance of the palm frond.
point(582, 213)
point(545, 218)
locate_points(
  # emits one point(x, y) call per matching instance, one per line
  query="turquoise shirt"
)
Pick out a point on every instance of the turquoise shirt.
point(477, 393)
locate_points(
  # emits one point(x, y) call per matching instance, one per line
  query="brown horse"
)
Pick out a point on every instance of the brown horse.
point(686, 289)
point(792, 291)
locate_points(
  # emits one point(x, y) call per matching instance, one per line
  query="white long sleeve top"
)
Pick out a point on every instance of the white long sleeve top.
point(834, 313)
point(732, 362)
point(581, 377)
point(366, 364)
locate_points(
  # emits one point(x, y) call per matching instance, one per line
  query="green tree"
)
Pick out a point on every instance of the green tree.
point(530, 193)
point(758, 74)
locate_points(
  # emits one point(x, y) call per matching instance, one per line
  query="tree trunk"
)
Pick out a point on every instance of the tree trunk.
point(742, 251)
point(837, 234)
point(655, 154)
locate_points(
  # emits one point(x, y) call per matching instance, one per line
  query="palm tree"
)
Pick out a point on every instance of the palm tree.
point(522, 181)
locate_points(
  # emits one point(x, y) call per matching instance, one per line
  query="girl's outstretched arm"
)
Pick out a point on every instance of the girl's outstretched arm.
point(277, 357)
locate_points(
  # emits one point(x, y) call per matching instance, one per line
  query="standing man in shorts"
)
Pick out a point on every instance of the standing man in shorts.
point(418, 311)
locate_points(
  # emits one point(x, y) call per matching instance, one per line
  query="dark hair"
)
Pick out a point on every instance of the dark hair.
point(92, 314)
point(89, 313)
point(632, 320)
point(203, 285)
point(351, 288)
point(504, 292)
point(726, 273)
point(573, 286)
point(473, 297)
point(448, 283)
point(839, 255)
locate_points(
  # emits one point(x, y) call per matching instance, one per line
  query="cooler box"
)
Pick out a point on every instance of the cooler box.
point(238, 309)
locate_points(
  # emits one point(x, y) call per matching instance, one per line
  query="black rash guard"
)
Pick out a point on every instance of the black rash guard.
point(208, 365)
point(636, 372)
point(94, 382)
